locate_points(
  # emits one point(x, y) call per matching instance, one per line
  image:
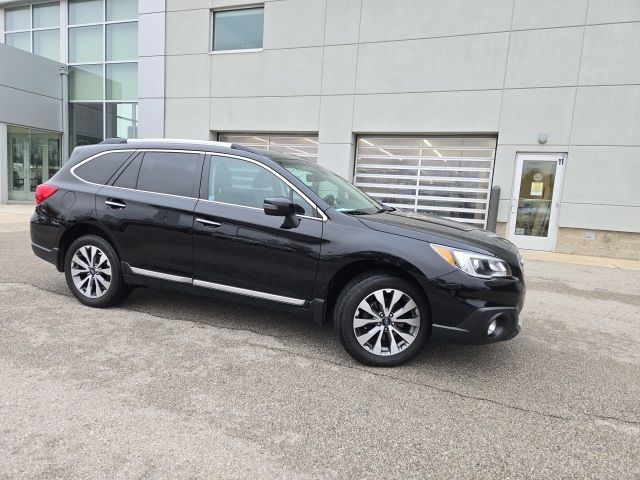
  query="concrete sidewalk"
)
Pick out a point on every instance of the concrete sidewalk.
point(581, 260)
point(15, 218)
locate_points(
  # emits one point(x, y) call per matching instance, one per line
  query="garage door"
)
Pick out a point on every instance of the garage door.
point(445, 176)
point(305, 146)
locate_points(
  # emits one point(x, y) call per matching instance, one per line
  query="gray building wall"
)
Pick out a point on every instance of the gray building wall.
point(512, 67)
point(31, 93)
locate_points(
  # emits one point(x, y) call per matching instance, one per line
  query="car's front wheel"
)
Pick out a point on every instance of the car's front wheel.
point(382, 320)
point(93, 274)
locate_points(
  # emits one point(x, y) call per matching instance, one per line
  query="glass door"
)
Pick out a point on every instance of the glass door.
point(536, 197)
point(34, 157)
point(19, 151)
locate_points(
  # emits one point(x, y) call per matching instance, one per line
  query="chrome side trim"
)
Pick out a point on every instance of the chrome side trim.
point(41, 247)
point(112, 203)
point(160, 275)
point(208, 223)
point(249, 293)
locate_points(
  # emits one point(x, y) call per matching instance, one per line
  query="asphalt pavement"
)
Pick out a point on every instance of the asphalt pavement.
point(171, 385)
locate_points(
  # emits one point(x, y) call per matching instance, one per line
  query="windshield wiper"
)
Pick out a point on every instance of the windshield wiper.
point(386, 209)
point(355, 212)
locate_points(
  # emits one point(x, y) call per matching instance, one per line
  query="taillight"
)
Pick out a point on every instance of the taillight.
point(44, 191)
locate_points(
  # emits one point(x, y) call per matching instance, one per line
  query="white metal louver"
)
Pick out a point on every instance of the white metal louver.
point(446, 176)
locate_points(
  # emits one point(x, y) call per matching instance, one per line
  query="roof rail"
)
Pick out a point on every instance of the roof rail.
point(116, 140)
point(178, 140)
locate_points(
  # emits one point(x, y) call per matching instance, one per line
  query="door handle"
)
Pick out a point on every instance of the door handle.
point(208, 223)
point(114, 203)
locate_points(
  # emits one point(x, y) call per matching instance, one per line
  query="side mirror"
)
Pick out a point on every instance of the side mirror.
point(282, 207)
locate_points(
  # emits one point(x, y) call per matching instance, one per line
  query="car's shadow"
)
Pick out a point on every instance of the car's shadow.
point(298, 334)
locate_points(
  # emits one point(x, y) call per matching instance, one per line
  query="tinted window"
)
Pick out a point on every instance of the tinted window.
point(239, 182)
point(129, 176)
point(238, 29)
point(101, 169)
point(172, 173)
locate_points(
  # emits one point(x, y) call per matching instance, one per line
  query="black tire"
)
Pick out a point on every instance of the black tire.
point(356, 291)
point(117, 290)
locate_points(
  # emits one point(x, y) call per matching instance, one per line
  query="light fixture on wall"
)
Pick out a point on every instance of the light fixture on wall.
point(542, 138)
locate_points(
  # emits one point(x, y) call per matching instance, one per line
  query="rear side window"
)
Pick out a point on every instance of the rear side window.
point(168, 172)
point(129, 176)
point(101, 169)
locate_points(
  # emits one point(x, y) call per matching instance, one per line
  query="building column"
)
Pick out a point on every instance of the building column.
point(151, 68)
point(4, 164)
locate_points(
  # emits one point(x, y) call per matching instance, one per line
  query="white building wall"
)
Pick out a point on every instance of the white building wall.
point(514, 68)
point(31, 93)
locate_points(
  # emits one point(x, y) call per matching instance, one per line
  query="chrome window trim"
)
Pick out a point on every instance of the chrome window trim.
point(93, 157)
point(266, 167)
point(239, 157)
point(249, 293)
point(160, 275)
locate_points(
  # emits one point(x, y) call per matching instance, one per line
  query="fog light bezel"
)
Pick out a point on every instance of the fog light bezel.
point(499, 321)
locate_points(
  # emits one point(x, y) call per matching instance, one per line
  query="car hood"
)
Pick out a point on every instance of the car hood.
point(433, 229)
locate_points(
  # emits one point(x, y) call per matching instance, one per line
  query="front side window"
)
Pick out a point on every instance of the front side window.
point(333, 189)
point(243, 183)
point(239, 29)
point(172, 173)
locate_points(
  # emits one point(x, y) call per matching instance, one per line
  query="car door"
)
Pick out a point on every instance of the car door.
point(148, 208)
point(238, 248)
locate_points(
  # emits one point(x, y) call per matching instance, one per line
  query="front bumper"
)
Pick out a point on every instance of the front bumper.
point(474, 329)
point(463, 307)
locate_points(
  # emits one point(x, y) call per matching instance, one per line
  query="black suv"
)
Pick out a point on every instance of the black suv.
point(275, 230)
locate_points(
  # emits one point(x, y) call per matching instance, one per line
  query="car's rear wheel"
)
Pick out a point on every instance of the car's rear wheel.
point(382, 320)
point(93, 274)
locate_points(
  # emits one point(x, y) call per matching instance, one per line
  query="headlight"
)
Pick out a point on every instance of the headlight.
point(475, 264)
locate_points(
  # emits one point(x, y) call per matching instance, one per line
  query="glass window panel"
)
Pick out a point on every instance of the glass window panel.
point(122, 81)
point(128, 178)
point(19, 40)
point(17, 18)
point(238, 29)
point(85, 83)
point(85, 44)
point(85, 123)
point(46, 15)
point(122, 9)
point(102, 168)
point(18, 146)
point(47, 43)
point(122, 120)
point(170, 173)
point(85, 11)
point(122, 41)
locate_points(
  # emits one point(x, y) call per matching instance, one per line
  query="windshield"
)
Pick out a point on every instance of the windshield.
point(333, 189)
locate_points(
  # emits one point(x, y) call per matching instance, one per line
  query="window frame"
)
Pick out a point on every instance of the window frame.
point(103, 63)
point(204, 186)
point(195, 192)
point(212, 19)
point(31, 30)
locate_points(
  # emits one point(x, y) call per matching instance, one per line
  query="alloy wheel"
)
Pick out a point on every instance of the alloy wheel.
point(386, 322)
point(91, 271)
